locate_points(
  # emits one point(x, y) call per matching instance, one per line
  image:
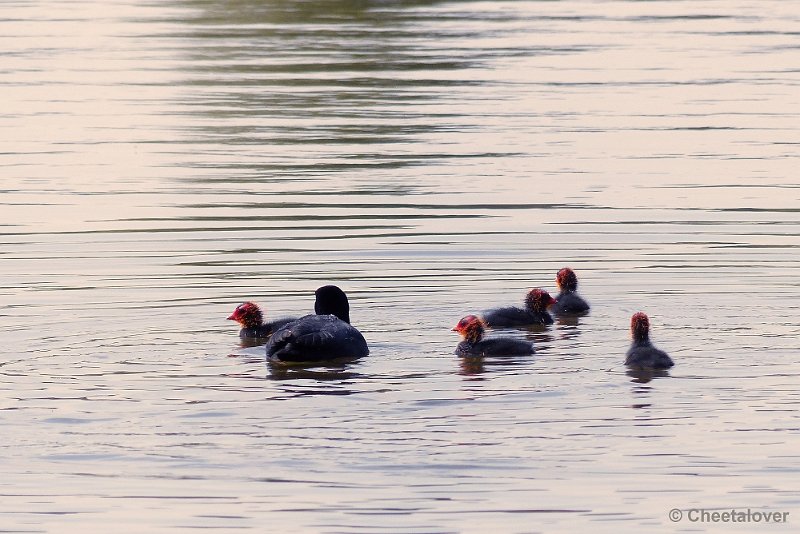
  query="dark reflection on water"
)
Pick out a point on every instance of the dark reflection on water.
point(329, 374)
point(476, 365)
point(343, 71)
point(645, 375)
point(330, 370)
point(292, 13)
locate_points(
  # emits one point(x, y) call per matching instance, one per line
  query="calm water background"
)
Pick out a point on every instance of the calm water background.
point(163, 161)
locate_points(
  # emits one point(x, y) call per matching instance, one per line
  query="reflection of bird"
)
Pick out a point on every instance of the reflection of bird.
point(472, 328)
point(324, 336)
point(249, 315)
point(642, 352)
point(535, 312)
point(568, 300)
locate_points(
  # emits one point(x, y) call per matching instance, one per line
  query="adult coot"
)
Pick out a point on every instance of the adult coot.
point(327, 335)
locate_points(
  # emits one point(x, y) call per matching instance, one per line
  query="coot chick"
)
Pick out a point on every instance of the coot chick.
point(249, 315)
point(568, 301)
point(535, 312)
point(642, 353)
point(471, 328)
point(327, 335)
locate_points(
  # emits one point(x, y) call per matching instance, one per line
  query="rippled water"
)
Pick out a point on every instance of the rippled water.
point(164, 161)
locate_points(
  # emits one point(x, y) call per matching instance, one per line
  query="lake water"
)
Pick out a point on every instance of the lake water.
point(163, 161)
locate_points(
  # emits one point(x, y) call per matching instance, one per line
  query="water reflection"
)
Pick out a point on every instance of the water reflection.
point(248, 358)
point(320, 98)
point(343, 72)
point(243, 13)
point(322, 371)
point(568, 326)
point(641, 375)
point(331, 371)
point(472, 366)
point(249, 342)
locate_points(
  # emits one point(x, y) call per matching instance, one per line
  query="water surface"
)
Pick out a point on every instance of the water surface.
point(164, 161)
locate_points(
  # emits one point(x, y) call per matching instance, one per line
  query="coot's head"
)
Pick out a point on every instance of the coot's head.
point(566, 280)
point(538, 300)
point(471, 328)
point(640, 326)
point(247, 314)
point(332, 300)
